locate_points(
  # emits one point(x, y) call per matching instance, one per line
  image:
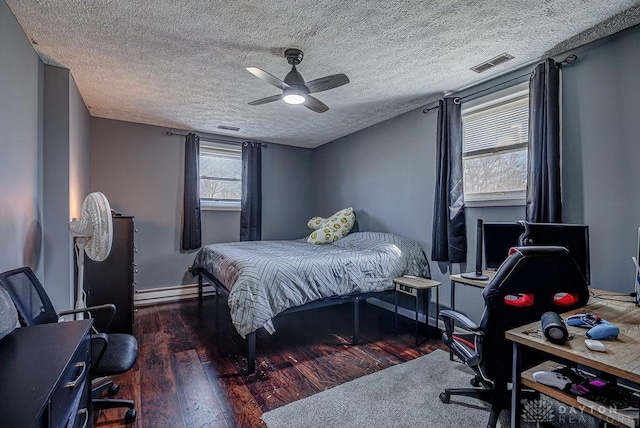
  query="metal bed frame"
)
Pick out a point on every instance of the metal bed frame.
point(354, 298)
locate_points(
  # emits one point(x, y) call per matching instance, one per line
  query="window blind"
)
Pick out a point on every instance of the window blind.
point(503, 125)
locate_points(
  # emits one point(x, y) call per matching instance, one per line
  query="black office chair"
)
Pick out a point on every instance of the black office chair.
point(530, 282)
point(111, 354)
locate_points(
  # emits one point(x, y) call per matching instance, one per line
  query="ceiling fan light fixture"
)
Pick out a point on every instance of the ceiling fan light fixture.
point(294, 96)
point(294, 99)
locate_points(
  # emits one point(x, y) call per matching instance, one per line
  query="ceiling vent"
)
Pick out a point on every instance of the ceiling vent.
point(228, 128)
point(492, 63)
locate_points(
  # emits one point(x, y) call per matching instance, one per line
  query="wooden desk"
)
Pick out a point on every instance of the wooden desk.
point(620, 359)
point(44, 376)
point(457, 278)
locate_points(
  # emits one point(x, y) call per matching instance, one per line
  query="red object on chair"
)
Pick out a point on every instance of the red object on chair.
point(522, 300)
point(565, 299)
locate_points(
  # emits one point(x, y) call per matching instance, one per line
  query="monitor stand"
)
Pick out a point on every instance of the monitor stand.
point(478, 276)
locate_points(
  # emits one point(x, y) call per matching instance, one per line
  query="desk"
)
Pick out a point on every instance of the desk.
point(44, 376)
point(466, 281)
point(620, 360)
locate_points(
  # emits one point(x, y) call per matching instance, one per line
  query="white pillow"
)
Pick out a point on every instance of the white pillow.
point(333, 228)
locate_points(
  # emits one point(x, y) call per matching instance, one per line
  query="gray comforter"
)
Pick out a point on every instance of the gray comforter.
point(265, 278)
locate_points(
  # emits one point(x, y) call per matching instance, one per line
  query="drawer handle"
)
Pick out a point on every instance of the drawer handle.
point(73, 383)
point(86, 417)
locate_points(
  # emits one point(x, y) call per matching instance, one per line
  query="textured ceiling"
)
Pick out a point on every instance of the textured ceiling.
point(181, 63)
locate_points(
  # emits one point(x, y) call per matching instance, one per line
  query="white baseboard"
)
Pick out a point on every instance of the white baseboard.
point(152, 296)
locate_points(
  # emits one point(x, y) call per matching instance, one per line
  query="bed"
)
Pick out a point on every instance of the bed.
point(265, 278)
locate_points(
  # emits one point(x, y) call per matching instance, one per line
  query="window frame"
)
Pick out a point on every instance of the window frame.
point(213, 204)
point(495, 99)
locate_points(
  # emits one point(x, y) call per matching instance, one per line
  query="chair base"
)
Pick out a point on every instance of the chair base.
point(112, 403)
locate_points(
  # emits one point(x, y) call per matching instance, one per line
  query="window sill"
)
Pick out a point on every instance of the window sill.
point(504, 202)
point(208, 206)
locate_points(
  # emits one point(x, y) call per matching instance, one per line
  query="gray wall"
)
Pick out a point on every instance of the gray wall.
point(43, 164)
point(20, 142)
point(65, 179)
point(387, 172)
point(140, 170)
point(601, 129)
point(286, 200)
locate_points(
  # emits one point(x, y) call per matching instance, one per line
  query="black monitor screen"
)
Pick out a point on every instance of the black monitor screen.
point(574, 237)
point(498, 239)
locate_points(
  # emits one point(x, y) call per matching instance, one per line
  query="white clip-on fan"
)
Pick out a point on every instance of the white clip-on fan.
point(93, 235)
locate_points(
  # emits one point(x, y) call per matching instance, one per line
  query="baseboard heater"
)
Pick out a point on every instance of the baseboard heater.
point(152, 296)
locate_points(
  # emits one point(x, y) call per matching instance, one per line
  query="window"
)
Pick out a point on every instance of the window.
point(494, 159)
point(220, 176)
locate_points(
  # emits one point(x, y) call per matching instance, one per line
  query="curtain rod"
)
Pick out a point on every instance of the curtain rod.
point(218, 139)
point(568, 60)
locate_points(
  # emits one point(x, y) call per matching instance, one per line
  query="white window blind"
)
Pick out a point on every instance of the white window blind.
point(495, 134)
point(496, 127)
point(220, 175)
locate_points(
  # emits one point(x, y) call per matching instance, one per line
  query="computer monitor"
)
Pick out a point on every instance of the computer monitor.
point(574, 237)
point(498, 239)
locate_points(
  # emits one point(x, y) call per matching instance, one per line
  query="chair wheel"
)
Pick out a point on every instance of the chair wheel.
point(475, 382)
point(444, 397)
point(130, 416)
point(113, 390)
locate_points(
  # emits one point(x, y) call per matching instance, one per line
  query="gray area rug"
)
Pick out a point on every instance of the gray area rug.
point(406, 395)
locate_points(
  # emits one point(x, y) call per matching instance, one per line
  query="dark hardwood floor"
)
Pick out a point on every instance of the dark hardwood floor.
point(189, 374)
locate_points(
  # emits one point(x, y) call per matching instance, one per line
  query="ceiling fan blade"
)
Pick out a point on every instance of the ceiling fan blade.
point(315, 104)
point(327, 82)
point(269, 78)
point(270, 99)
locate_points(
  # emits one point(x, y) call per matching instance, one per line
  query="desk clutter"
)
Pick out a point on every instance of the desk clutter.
point(608, 398)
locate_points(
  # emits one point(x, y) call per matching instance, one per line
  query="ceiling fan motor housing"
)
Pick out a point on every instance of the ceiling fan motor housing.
point(294, 56)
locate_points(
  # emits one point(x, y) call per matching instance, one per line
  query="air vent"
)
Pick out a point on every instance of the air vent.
point(228, 128)
point(492, 63)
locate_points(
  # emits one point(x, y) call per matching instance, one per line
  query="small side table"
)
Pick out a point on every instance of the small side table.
point(412, 285)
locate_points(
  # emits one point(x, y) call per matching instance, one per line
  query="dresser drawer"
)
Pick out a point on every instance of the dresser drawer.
point(71, 392)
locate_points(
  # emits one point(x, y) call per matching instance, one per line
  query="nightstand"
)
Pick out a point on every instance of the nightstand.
point(412, 286)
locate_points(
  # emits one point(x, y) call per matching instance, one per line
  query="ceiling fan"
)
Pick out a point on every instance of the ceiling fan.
point(294, 88)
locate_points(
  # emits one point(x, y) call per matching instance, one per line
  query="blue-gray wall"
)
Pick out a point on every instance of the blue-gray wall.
point(387, 172)
point(601, 138)
point(43, 164)
point(141, 171)
point(20, 143)
point(286, 187)
point(65, 179)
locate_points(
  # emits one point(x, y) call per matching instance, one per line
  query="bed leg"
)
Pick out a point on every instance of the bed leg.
point(217, 309)
point(356, 319)
point(199, 290)
point(251, 352)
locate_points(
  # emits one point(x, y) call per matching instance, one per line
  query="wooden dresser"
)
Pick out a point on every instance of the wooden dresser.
point(44, 376)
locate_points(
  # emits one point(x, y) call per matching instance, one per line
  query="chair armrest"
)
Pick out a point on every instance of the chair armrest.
point(108, 309)
point(470, 357)
point(99, 343)
point(467, 324)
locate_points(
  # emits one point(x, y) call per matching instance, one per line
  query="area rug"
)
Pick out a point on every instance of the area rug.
point(405, 395)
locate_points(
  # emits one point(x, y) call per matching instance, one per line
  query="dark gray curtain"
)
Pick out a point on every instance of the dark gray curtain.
point(251, 203)
point(191, 228)
point(544, 200)
point(449, 229)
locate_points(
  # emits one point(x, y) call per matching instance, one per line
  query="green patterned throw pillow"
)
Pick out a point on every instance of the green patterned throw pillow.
point(331, 229)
